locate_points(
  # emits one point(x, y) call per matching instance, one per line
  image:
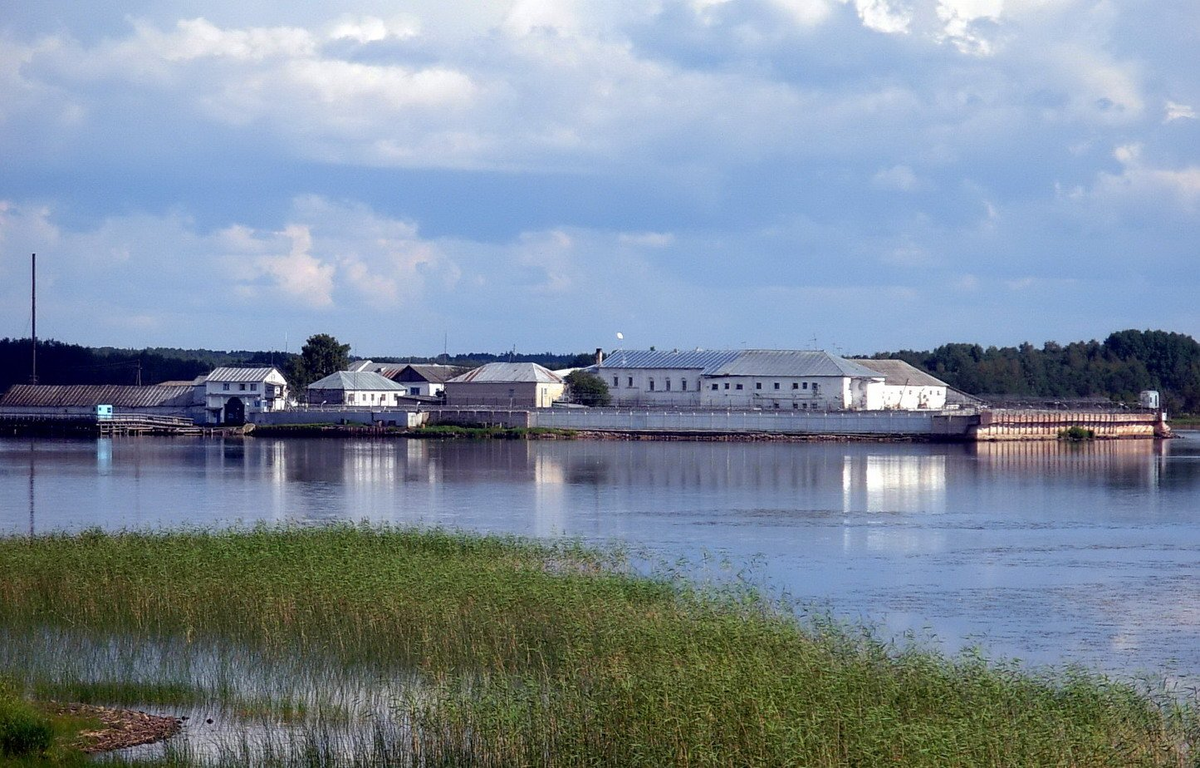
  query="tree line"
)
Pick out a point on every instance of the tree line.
point(1117, 368)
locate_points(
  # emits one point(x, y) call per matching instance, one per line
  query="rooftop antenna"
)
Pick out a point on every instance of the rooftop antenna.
point(814, 342)
point(33, 379)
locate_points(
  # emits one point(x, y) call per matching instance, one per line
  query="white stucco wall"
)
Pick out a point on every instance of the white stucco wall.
point(633, 386)
point(909, 398)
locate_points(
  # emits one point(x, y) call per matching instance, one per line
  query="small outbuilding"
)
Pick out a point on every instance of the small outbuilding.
point(508, 385)
point(357, 388)
point(906, 387)
point(234, 395)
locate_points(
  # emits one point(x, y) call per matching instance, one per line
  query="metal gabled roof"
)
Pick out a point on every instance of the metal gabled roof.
point(91, 395)
point(704, 360)
point(742, 362)
point(355, 380)
point(900, 374)
point(793, 362)
point(508, 373)
point(430, 372)
point(237, 375)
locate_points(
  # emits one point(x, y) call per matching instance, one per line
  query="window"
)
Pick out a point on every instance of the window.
point(411, 391)
point(795, 406)
point(629, 383)
point(668, 385)
point(715, 387)
point(253, 387)
point(683, 385)
point(651, 385)
point(814, 387)
point(739, 386)
point(795, 385)
point(806, 385)
point(616, 381)
point(777, 385)
point(758, 385)
point(350, 398)
point(225, 386)
point(242, 387)
point(727, 385)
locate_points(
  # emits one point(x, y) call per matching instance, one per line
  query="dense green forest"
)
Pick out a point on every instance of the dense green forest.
point(1117, 368)
point(61, 363)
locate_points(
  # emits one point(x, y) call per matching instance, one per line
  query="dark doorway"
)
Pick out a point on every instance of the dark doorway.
point(235, 411)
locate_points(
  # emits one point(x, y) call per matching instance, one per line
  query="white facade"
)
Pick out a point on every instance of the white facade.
point(907, 388)
point(234, 395)
point(765, 379)
point(355, 388)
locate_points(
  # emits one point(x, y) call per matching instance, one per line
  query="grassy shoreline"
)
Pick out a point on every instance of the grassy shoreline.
point(501, 651)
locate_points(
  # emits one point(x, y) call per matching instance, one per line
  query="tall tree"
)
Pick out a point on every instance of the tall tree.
point(588, 389)
point(320, 356)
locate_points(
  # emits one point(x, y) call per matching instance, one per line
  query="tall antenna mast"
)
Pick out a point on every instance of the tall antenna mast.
point(33, 306)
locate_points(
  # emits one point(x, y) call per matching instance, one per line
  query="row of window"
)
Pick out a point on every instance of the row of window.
point(241, 387)
point(368, 398)
point(683, 385)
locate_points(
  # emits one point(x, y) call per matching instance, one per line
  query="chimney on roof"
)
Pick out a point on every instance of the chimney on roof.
point(599, 355)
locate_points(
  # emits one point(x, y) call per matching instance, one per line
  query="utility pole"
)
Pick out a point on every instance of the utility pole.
point(33, 305)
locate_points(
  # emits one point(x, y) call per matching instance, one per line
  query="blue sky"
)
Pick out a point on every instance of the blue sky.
point(871, 174)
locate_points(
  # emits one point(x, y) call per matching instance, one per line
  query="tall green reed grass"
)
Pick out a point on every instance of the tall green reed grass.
point(522, 653)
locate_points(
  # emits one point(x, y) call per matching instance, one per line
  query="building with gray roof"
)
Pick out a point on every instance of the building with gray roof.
point(509, 385)
point(749, 378)
point(235, 395)
point(365, 388)
point(906, 387)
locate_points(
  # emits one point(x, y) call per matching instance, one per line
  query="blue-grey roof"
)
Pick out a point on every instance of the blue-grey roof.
point(355, 380)
point(743, 362)
point(704, 360)
point(229, 373)
point(509, 373)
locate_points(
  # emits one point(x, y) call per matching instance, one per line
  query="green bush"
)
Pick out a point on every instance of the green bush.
point(1076, 433)
point(23, 731)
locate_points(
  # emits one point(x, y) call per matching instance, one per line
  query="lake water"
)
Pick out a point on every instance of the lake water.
point(1044, 552)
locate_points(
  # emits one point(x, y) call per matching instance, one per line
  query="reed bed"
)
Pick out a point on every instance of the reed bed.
point(454, 649)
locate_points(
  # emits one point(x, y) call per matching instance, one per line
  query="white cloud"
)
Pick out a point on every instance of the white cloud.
point(899, 178)
point(372, 29)
point(1176, 111)
point(884, 16)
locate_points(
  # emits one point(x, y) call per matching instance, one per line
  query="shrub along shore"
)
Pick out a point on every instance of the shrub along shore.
point(523, 653)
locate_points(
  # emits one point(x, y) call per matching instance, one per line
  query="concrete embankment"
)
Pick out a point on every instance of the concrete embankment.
point(983, 425)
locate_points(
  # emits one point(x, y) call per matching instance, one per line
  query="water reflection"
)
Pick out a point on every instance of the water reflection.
point(1047, 551)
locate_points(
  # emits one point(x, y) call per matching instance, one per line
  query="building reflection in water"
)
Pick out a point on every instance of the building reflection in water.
point(879, 490)
point(1114, 463)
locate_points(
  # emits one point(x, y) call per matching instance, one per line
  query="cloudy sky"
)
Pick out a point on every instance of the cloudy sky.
point(868, 174)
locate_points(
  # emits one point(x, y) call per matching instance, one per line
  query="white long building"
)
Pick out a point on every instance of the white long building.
point(808, 380)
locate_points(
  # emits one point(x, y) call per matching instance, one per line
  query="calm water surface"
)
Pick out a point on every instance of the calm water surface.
point(1046, 553)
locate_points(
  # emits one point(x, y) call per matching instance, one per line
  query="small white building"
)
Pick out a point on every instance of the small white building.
point(906, 387)
point(508, 385)
point(802, 380)
point(423, 379)
point(234, 395)
point(357, 388)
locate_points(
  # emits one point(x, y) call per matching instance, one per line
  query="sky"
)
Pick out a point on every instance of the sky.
point(855, 175)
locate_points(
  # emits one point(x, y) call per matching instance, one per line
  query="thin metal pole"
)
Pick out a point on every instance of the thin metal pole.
point(33, 379)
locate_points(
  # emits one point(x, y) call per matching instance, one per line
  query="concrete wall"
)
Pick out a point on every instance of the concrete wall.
point(367, 416)
point(1046, 425)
